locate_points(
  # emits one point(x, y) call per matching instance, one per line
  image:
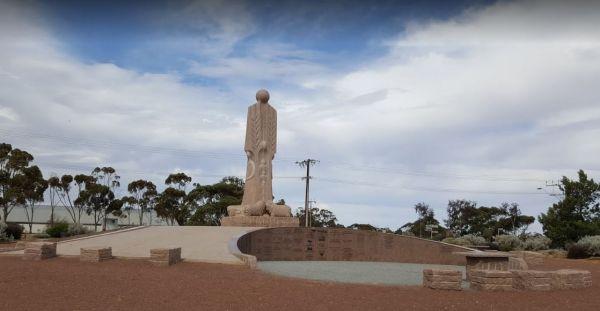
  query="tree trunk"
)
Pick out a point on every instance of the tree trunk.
point(51, 215)
point(31, 221)
point(5, 213)
point(95, 222)
point(104, 222)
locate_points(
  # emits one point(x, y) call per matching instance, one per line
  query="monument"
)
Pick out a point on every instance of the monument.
point(257, 208)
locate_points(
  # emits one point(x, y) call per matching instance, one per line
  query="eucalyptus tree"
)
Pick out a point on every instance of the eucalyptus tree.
point(53, 184)
point(30, 186)
point(107, 177)
point(78, 205)
point(12, 162)
point(144, 194)
point(129, 203)
point(211, 201)
point(173, 204)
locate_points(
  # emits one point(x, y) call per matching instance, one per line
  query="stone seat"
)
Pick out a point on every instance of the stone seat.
point(39, 251)
point(491, 280)
point(442, 279)
point(571, 279)
point(479, 260)
point(95, 254)
point(165, 256)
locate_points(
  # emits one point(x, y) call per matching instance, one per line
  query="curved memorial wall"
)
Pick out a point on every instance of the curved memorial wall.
point(334, 244)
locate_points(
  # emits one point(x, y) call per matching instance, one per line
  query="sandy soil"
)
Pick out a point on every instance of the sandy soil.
point(67, 284)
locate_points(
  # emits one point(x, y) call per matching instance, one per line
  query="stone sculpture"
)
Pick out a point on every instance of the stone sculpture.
point(260, 147)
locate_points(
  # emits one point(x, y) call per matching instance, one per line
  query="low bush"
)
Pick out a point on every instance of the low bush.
point(577, 251)
point(466, 240)
point(58, 229)
point(508, 242)
point(591, 243)
point(14, 230)
point(555, 253)
point(3, 236)
point(536, 243)
point(76, 229)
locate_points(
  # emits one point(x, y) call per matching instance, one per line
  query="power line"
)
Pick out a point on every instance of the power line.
point(423, 189)
point(396, 171)
point(178, 152)
point(156, 173)
point(221, 155)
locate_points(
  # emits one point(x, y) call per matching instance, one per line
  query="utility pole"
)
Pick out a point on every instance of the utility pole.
point(306, 163)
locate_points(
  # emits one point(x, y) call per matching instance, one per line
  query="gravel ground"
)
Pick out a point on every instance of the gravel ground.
point(68, 284)
point(384, 273)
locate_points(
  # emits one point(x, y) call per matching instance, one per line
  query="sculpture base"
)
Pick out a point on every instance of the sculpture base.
point(259, 221)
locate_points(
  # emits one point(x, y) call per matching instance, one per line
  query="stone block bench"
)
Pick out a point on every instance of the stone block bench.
point(529, 280)
point(165, 256)
point(39, 251)
point(571, 279)
point(442, 279)
point(485, 261)
point(491, 280)
point(95, 254)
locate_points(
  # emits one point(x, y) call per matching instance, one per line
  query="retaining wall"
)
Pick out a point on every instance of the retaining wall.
point(334, 244)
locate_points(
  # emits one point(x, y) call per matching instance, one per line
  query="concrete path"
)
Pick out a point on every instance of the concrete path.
point(384, 273)
point(198, 243)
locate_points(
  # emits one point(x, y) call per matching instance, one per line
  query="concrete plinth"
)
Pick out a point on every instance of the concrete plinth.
point(39, 251)
point(165, 256)
point(491, 280)
point(532, 280)
point(485, 261)
point(259, 221)
point(571, 279)
point(442, 279)
point(95, 254)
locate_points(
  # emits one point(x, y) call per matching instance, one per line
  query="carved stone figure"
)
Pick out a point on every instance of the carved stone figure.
point(260, 148)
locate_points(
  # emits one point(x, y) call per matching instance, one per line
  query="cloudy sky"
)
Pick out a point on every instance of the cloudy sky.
point(402, 102)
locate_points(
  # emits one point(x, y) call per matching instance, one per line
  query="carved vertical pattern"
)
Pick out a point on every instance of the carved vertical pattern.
point(272, 130)
point(256, 129)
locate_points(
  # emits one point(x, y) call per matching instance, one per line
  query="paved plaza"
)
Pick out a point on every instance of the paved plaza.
point(198, 243)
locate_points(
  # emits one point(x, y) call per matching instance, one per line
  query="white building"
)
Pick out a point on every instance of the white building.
point(42, 214)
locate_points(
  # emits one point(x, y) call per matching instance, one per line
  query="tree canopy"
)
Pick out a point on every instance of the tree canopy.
point(465, 217)
point(426, 216)
point(318, 218)
point(577, 214)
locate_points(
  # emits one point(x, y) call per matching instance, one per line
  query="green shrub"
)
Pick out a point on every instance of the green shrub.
point(58, 230)
point(591, 243)
point(3, 236)
point(466, 240)
point(536, 243)
point(76, 229)
point(508, 242)
point(14, 230)
point(577, 251)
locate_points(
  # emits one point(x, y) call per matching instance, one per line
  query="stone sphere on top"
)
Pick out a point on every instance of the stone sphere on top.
point(262, 96)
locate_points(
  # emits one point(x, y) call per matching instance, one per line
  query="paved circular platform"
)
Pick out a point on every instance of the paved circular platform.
point(385, 273)
point(198, 243)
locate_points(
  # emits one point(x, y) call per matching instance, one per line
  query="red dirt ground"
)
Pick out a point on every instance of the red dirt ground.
point(68, 284)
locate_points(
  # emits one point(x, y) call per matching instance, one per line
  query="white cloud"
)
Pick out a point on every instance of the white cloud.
point(507, 90)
